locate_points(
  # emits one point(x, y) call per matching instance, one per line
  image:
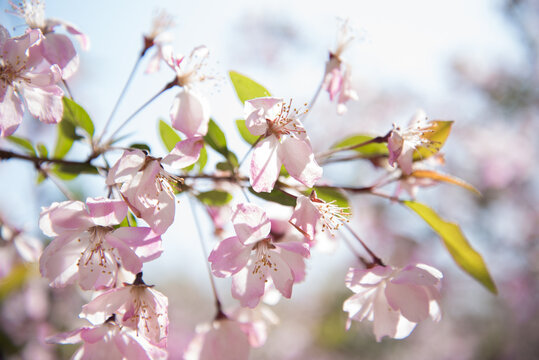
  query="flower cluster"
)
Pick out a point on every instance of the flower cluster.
point(102, 244)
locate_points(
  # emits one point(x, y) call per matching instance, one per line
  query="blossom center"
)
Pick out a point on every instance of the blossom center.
point(285, 123)
point(331, 215)
point(263, 262)
point(97, 253)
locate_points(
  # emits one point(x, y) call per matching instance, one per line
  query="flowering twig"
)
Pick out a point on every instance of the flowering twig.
point(6, 155)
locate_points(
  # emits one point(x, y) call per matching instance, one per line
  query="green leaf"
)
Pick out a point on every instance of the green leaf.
point(329, 194)
point(17, 277)
point(70, 172)
point(203, 159)
point(76, 115)
point(275, 196)
point(23, 143)
point(245, 133)
point(214, 198)
point(141, 146)
point(216, 138)
point(439, 132)
point(63, 144)
point(247, 89)
point(40, 178)
point(374, 149)
point(169, 136)
point(42, 150)
point(457, 245)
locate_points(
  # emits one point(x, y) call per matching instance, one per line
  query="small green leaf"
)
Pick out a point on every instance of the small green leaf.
point(76, 115)
point(374, 149)
point(216, 138)
point(169, 136)
point(247, 89)
point(70, 172)
point(42, 150)
point(63, 144)
point(457, 245)
point(23, 143)
point(329, 194)
point(141, 146)
point(245, 133)
point(203, 159)
point(438, 136)
point(276, 196)
point(40, 178)
point(214, 198)
point(224, 166)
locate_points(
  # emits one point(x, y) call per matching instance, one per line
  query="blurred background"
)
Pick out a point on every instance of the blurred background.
point(472, 62)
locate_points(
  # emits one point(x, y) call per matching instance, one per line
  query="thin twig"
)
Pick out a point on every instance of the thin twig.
point(120, 98)
point(6, 155)
point(205, 252)
point(375, 258)
point(168, 86)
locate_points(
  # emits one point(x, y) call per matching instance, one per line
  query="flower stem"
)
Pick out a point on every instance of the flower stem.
point(168, 86)
point(375, 258)
point(205, 252)
point(120, 98)
point(313, 100)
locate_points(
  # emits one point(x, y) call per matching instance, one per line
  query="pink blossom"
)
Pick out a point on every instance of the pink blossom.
point(26, 78)
point(158, 37)
point(252, 257)
point(255, 322)
point(285, 142)
point(136, 306)
point(311, 213)
point(190, 112)
point(16, 247)
point(395, 300)
point(223, 339)
point(56, 48)
point(87, 249)
point(403, 143)
point(146, 186)
point(337, 79)
point(109, 341)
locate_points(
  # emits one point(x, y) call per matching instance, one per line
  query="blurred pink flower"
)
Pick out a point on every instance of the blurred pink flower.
point(395, 300)
point(252, 257)
point(86, 248)
point(26, 78)
point(159, 38)
point(136, 306)
point(109, 341)
point(337, 79)
point(190, 112)
point(223, 339)
point(285, 142)
point(255, 322)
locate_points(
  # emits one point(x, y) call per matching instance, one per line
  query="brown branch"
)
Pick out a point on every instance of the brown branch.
point(38, 161)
